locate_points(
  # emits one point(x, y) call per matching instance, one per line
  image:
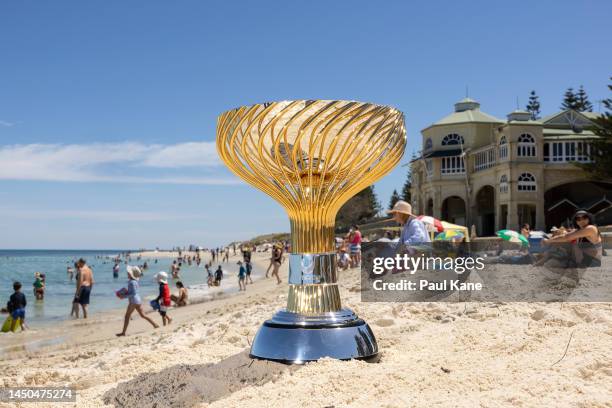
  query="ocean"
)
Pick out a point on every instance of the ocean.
point(20, 265)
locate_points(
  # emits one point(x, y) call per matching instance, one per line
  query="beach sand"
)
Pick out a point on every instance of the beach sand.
point(432, 354)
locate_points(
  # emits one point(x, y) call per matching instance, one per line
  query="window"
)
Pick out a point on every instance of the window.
point(503, 148)
point(428, 144)
point(526, 182)
point(567, 151)
point(452, 139)
point(503, 184)
point(452, 165)
point(526, 146)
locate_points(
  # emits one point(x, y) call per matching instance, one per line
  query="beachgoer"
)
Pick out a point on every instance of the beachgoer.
point(85, 282)
point(413, 230)
point(210, 276)
point(249, 268)
point(587, 245)
point(343, 259)
point(70, 272)
point(116, 270)
point(163, 299)
point(181, 299)
point(277, 259)
point(16, 307)
point(39, 287)
point(241, 276)
point(135, 302)
point(218, 276)
point(355, 247)
point(525, 230)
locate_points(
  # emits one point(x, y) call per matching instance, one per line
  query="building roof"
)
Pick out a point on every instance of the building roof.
point(466, 111)
point(550, 133)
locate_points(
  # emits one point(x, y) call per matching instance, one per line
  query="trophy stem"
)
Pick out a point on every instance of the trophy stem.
point(311, 234)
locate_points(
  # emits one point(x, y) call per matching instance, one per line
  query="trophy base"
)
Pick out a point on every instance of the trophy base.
point(294, 338)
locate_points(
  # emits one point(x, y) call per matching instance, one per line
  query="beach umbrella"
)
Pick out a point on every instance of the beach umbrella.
point(513, 236)
point(450, 235)
point(431, 222)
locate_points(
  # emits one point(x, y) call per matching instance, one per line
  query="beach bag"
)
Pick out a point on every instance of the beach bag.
point(154, 304)
point(166, 295)
point(122, 293)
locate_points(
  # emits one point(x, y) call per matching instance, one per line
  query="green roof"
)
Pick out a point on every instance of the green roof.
point(467, 116)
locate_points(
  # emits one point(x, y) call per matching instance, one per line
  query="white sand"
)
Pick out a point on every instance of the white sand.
point(432, 354)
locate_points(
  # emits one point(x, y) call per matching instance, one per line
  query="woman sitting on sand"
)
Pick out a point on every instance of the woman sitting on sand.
point(181, 299)
point(587, 248)
point(135, 302)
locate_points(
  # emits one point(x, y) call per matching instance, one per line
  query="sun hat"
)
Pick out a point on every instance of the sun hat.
point(162, 277)
point(401, 207)
point(134, 272)
point(554, 228)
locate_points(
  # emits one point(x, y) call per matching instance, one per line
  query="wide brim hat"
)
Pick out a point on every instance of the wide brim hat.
point(401, 207)
point(133, 271)
point(162, 277)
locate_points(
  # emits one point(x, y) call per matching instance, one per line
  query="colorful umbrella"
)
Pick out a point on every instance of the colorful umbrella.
point(431, 222)
point(513, 236)
point(450, 235)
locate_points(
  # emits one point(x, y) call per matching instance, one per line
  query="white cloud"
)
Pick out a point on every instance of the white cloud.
point(98, 215)
point(101, 162)
point(6, 124)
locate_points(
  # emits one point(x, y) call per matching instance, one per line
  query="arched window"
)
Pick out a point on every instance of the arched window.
point(526, 182)
point(452, 139)
point(503, 148)
point(503, 184)
point(526, 146)
point(428, 144)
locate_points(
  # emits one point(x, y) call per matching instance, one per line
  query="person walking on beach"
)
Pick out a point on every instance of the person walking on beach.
point(163, 299)
point(249, 268)
point(135, 302)
point(277, 259)
point(16, 307)
point(355, 246)
point(116, 270)
point(209, 275)
point(85, 282)
point(241, 276)
point(218, 276)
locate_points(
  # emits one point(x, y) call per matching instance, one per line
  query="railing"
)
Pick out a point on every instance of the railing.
point(484, 159)
point(568, 151)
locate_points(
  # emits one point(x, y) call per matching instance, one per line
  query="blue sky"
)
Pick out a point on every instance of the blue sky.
point(108, 108)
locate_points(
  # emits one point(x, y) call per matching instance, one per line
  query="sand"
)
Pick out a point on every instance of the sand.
point(432, 354)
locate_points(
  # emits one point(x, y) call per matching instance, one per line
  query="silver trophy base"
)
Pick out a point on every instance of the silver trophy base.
point(294, 338)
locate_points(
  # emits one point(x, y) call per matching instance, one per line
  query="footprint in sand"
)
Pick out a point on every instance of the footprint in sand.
point(384, 322)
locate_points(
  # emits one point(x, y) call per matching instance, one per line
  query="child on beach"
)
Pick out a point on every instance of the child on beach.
point(241, 277)
point(135, 302)
point(16, 307)
point(163, 300)
point(181, 299)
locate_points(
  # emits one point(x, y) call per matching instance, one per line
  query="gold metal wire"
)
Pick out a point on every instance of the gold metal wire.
point(311, 156)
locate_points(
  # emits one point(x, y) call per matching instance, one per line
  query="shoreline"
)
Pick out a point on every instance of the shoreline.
point(49, 334)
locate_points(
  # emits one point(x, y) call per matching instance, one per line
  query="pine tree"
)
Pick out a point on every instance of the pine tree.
point(582, 101)
point(533, 106)
point(601, 149)
point(394, 199)
point(406, 195)
point(570, 100)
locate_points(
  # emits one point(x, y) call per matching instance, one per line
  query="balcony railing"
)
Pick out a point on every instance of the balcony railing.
point(484, 159)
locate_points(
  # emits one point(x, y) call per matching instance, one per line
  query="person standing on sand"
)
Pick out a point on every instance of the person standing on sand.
point(163, 299)
point(241, 276)
point(84, 284)
point(16, 307)
point(209, 275)
point(135, 302)
point(277, 259)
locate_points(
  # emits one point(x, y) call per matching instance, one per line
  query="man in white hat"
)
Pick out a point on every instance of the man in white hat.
point(413, 230)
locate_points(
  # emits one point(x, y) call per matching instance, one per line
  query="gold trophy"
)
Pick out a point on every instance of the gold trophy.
point(312, 156)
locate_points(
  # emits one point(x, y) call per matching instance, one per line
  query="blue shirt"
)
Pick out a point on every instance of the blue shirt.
point(414, 232)
point(133, 294)
point(242, 272)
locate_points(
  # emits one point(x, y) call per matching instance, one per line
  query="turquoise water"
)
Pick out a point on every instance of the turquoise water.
point(20, 265)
